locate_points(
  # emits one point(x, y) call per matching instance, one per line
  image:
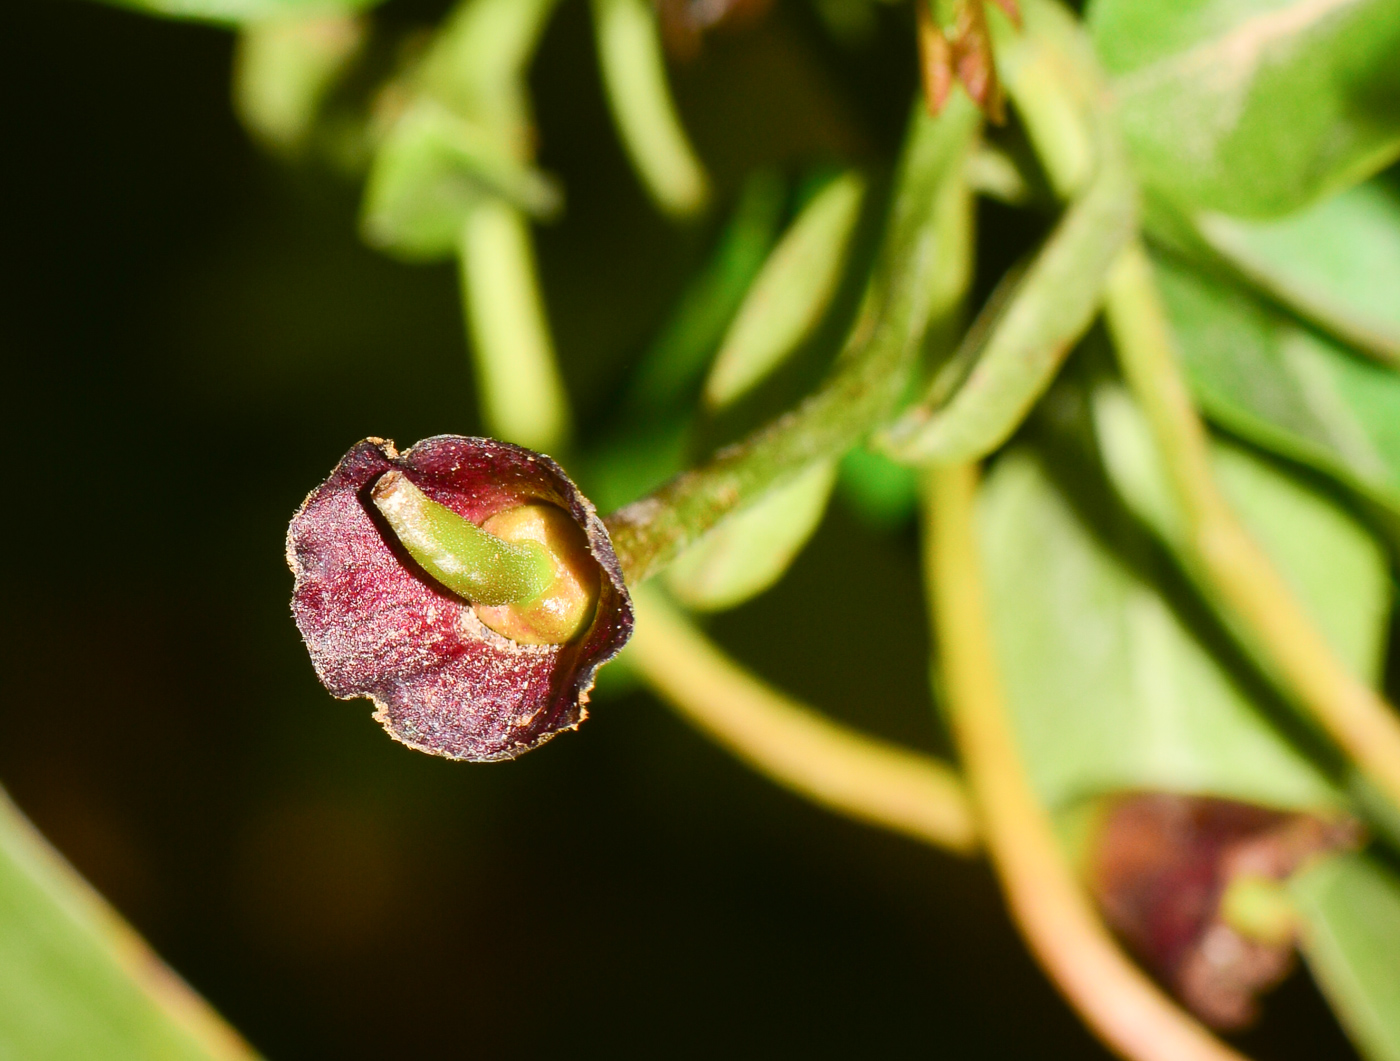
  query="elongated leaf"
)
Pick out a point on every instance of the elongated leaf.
point(1253, 107)
point(1283, 386)
point(1109, 689)
point(789, 296)
point(750, 550)
point(1350, 908)
point(1336, 263)
point(283, 70)
point(233, 12)
point(1336, 567)
point(76, 981)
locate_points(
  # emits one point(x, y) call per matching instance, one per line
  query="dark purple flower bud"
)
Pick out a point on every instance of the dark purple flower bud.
point(1191, 885)
point(378, 625)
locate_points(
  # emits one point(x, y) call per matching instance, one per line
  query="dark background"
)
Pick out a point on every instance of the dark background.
point(192, 335)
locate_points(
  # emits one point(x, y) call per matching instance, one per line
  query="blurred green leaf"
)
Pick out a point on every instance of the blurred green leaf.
point(1284, 387)
point(458, 130)
point(478, 63)
point(1350, 906)
point(76, 981)
point(1108, 686)
point(244, 11)
point(1338, 570)
point(670, 370)
point(1336, 263)
point(657, 410)
point(1253, 107)
point(430, 171)
point(283, 70)
point(790, 294)
point(751, 549)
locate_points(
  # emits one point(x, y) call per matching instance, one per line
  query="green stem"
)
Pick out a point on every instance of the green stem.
point(1116, 999)
point(922, 276)
point(469, 561)
point(1356, 717)
point(634, 77)
point(853, 774)
point(522, 394)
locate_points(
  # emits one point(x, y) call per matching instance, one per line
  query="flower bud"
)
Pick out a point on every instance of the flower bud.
point(386, 553)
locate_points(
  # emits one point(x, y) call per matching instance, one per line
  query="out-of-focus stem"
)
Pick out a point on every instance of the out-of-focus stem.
point(522, 395)
point(1115, 998)
point(634, 76)
point(846, 771)
point(1352, 713)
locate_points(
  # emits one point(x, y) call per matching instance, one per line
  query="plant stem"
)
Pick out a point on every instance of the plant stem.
point(922, 275)
point(522, 394)
point(1356, 717)
point(634, 77)
point(1116, 999)
point(846, 771)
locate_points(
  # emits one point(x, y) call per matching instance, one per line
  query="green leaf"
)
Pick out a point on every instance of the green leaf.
point(751, 549)
point(283, 70)
point(1336, 263)
point(674, 363)
point(1253, 107)
point(462, 132)
point(235, 12)
point(789, 296)
point(76, 981)
point(1350, 907)
point(430, 171)
point(1284, 387)
point(1109, 688)
point(1336, 567)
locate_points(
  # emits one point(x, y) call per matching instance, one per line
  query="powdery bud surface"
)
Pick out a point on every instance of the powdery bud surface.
point(377, 626)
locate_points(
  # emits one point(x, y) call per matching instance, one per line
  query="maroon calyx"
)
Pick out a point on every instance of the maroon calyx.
point(1160, 869)
point(376, 625)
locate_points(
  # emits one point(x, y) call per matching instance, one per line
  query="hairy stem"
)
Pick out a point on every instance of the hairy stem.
point(868, 779)
point(922, 275)
point(1116, 999)
point(1357, 718)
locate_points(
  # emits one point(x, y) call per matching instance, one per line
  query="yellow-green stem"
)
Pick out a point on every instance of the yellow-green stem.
point(846, 771)
point(1357, 718)
point(1116, 999)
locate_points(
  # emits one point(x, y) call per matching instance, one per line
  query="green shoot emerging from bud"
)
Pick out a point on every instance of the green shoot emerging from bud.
point(527, 570)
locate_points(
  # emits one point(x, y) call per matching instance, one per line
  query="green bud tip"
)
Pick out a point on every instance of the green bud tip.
point(527, 570)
